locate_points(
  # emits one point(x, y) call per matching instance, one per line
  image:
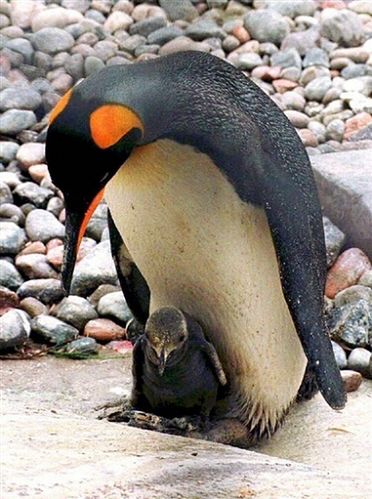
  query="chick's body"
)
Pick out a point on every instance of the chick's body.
point(187, 380)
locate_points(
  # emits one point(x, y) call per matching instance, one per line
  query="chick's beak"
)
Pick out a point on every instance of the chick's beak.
point(76, 224)
point(162, 362)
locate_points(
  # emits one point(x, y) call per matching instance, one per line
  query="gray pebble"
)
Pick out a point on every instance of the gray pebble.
point(28, 192)
point(75, 66)
point(286, 58)
point(266, 26)
point(351, 323)
point(53, 40)
point(293, 100)
point(230, 43)
point(12, 238)
point(204, 28)
point(14, 121)
point(76, 311)
point(291, 73)
point(335, 130)
point(19, 98)
point(366, 279)
point(55, 205)
point(164, 35)
point(146, 49)
point(342, 26)
point(147, 26)
point(354, 71)
point(46, 290)
point(105, 49)
point(23, 47)
point(353, 294)
point(92, 64)
point(12, 213)
point(316, 57)
point(5, 193)
point(290, 8)
point(82, 347)
point(249, 61)
point(317, 88)
point(53, 330)
point(8, 151)
point(114, 305)
point(94, 269)
point(179, 10)
point(33, 307)
point(9, 275)
point(334, 239)
point(340, 355)
point(41, 225)
point(360, 360)
point(14, 329)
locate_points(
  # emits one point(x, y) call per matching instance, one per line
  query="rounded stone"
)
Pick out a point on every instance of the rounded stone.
point(316, 57)
point(266, 26)
point(53, 330)
point(33, 307)
point(14, 121)
point(5, 193)
point(8, 151)
point(117, 20)
point(9, 275)
point(29, 192)
point(114, 305)
point(164, 35)
point(341, 26)
point(81, 348)
point(293, 100)
point(92, 64)
point(12, 238)
point(76, 311)
point(104, 330)
point(35, 266)
point(335, 130)
point(45, 290)
point(55, 18)
point(53, 40)
point(14, 329)
point(286, 58)
point(340, 355)
point(249, 61)
point(359, 361)
point(147, 26)
point(204, 28)
point(31, 153)
point(41, 225)
point(317, 88)
point(351, 379)
point(299, 120)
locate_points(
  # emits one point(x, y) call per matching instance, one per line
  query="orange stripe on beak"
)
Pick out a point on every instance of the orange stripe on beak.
point(88, 215)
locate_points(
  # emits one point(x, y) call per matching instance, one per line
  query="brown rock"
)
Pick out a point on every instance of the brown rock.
point(241, 34)
point(120, 346)
point(35, 266)
point(349, 266)
point(55, 253)
point(103, 330)
point(55, 256)
point(8, 300)
point(356, 123)
point(352, 380)
point(33, 247)
point(281, 85)
point(33, 306)
point(308, 137)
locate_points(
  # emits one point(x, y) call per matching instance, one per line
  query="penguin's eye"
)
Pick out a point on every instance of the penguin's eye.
point(182, 338)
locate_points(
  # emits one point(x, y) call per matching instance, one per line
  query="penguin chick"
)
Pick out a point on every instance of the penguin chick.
point(176, 371)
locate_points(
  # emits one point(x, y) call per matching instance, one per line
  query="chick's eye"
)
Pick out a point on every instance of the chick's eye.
point(182, 338)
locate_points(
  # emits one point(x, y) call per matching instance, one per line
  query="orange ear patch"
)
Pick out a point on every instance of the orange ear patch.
point(60, 106)
point(109, 123)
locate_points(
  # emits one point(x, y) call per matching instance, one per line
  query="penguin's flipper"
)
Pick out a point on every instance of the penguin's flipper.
point(132, 282)
point(137, 398)
point(293, 213)
point(213, 358)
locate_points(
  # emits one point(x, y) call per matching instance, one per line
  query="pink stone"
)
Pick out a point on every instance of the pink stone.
point(308, 137)
point(346, 271)
point(333, 4)
point(266, 73)
point(241, 34)
point(31, 153)
point(39, 172)
point(281, 85)
point(120, 346)
point(356, 123)
point(34, 247)
point(8, 300)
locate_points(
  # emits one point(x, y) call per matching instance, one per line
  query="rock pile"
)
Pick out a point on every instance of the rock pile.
point(312, 58)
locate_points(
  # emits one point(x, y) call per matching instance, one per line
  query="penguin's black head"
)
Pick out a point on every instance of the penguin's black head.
point(166, 331)
point(87, 142)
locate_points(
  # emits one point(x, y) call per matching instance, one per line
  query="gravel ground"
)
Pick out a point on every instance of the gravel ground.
point(314, 59)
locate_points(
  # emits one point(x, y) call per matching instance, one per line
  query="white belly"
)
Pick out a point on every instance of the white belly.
point(200, 248)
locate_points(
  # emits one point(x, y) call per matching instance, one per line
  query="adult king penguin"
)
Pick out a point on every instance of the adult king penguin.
point(214, 211)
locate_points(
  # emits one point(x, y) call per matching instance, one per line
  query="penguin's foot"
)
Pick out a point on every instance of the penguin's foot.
point(114, 408)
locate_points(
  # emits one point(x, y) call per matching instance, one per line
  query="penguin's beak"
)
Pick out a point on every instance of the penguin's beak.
point(76, 224)
point(162, 362)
